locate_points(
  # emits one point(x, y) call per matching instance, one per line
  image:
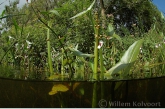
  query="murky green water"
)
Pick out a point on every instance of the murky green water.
point(130, 93)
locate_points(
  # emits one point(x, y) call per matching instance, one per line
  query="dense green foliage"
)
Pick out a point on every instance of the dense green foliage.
point(23, 37)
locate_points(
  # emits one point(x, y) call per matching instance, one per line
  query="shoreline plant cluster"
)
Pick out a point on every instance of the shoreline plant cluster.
point(57, 43)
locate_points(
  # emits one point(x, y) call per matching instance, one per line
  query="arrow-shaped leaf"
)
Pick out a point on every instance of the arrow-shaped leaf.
point(128, 58)
point(132, 52)
point(80, 54)
point(81, 13)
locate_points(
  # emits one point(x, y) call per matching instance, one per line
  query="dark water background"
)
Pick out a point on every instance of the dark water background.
point(33, 93)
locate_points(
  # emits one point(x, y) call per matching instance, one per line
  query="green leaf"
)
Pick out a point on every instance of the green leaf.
point(132, 52)
point(117, 37)
point(162, 16)
point(111, 73)
point(91, 65)
point(90, 7)
point(110, 30)
point(55, 12)
point(16, 26)
point(3, 13)
point(128, 58)
point(80, 54)
point(10, 15)
point(83, 12)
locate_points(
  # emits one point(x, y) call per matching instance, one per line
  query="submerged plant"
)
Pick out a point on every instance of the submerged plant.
point(58, 88)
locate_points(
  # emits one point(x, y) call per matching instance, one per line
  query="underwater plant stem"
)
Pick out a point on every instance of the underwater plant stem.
point(94, 98)
point(49, 51)
point(60, 100)
point(102, 90)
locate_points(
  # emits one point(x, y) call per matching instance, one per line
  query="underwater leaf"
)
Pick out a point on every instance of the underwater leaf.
point(78, 88)
point(78, 53)
point(75, 85)
point(83, 12)
point(58, 88)
point(81, 91)
point(118, 84)
point(52, 92)
point(128, 58)
point(110, 30)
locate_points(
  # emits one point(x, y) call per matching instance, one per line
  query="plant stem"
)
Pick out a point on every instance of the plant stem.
point(102, 90)
point(95, 76)
point(54, 33)
point(49, 51)
point(102, 73)
point(101, 63)
point(96, 30)
point(62, 62)
point(94, 98)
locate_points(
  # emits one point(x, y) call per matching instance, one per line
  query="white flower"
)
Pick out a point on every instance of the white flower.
point(10, 38)
point(100, 44)
point(141, 50)
point(157, 45)
point(16, 46)
point(28, 44)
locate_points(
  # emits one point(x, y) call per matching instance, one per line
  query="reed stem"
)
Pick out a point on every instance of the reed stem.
point(49, 51)
point(96, 30)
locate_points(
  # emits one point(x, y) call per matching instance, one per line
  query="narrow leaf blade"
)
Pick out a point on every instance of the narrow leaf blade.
point(83, 12)
point(55, 12)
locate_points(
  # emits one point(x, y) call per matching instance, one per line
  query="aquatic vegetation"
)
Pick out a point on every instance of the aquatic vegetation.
point(61, 56)
point(85, 42)
point(58, 88)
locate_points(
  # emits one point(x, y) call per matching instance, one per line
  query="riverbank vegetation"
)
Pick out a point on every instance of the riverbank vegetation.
point(82, 40)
